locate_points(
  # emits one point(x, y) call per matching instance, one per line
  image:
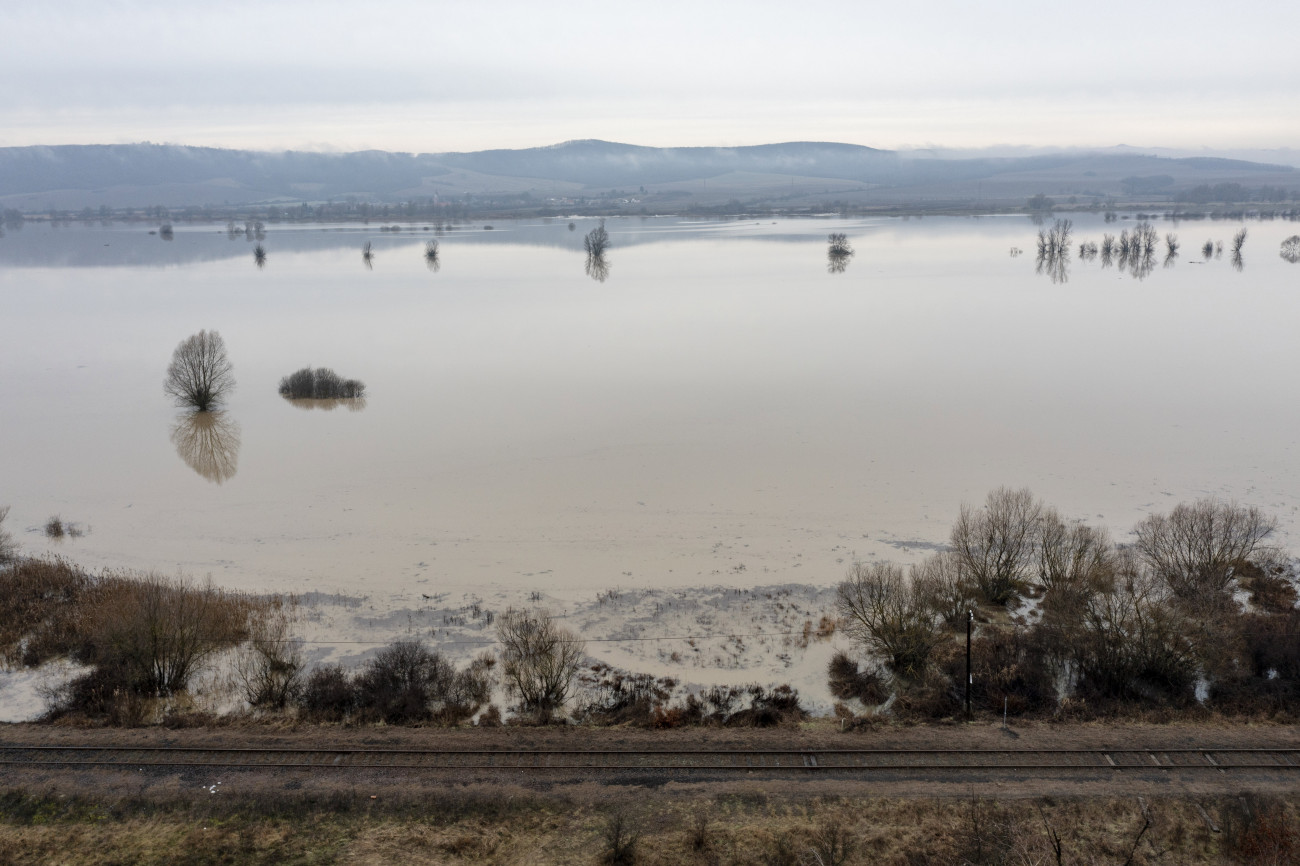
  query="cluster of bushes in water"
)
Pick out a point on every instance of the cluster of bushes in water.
point(320, 384)
point(1198, 614)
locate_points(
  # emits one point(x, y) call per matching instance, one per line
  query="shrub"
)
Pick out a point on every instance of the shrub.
point(158, 631)
point(269, 665)
point(1258, 830)
point(320, 384)
point(618, 697)
point(1009, 670)
point(847, 681)
point(39, 601)
point(54, 527)
point(327, 695)
point(401, 683)
point(539, 660)
point(620, 842)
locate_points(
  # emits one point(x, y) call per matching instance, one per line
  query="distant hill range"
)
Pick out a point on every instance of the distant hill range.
point(72, 177)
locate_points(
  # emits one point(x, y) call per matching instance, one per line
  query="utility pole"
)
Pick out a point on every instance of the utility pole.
point(970, 621)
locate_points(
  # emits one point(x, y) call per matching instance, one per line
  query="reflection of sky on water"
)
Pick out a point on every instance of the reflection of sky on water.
point(721, 389)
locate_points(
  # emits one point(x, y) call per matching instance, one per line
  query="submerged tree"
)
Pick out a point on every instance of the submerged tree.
point(597, 241)
point(200, 375)
point(368, 256)
point(1054, 251)
point(838, 252)
point(1238, 241)
point(1108, 247)
point(431, 256)
point(259, 255)
point(320, 384)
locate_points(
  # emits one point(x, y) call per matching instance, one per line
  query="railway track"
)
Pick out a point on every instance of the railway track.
point(608, 760)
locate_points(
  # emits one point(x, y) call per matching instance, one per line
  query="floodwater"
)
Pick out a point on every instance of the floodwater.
point(726, 406)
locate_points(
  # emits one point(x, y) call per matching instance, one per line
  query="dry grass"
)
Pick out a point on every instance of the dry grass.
point(750, 828)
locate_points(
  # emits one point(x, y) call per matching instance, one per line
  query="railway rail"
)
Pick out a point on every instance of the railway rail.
point(607, 760)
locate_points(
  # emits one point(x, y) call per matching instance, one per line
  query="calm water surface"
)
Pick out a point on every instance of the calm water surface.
point(721, 409)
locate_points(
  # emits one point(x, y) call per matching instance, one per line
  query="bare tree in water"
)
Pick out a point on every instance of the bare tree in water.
point(200, 375)
point(838, 252)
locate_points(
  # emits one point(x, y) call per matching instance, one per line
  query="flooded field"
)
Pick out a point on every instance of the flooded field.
point(727, 408)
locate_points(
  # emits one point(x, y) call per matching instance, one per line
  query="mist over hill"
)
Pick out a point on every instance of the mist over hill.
point(35, 179)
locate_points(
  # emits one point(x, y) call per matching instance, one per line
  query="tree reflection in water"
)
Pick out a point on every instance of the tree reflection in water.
point(208, 442)
point(354, 404)
point(597, 267)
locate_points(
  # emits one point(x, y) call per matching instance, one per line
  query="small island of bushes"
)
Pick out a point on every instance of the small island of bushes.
point(320, 384)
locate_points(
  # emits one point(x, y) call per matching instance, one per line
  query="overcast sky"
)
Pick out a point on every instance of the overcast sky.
point(432, 76)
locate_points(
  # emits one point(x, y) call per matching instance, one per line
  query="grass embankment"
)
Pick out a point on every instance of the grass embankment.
point(743, 828)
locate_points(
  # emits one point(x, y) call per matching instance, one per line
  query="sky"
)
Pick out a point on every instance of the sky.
point(454, 76)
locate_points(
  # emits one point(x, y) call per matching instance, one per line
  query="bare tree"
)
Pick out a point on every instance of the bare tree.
point(431, 256)
point(200, 375)
point(1238, 241)
point(945, 584)
point(597, 241)
point(1108, 247)
point(539, 660)
point(997, 542)
point(884, 611)
point(1054, 251)
point(1197, 547)
point(8, 547)
point(1071, 554)
point(269, 665)
point(838, 252)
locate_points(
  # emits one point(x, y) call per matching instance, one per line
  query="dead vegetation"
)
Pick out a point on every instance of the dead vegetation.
point(649, 828)
point(615, 697)
point(143, 636)
point(1069, 624)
